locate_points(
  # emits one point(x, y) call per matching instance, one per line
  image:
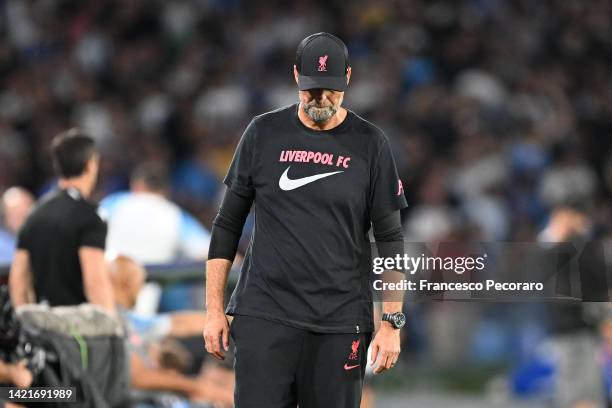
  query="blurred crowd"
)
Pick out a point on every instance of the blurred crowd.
point(498, 110)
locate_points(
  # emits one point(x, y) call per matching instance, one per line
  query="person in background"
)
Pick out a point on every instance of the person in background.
point(17, 375)
point(127, 277)
point(149, 228)
point(60, 248)
point(155, 362)
point(15, 206)
point(573, 341)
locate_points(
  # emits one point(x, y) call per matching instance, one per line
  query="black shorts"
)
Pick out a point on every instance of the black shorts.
point(278, 366)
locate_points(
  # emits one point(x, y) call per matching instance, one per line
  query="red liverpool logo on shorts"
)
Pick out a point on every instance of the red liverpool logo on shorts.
point(323, 63)
point(355, 350)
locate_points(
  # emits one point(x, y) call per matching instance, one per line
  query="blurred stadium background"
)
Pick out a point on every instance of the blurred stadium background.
point(499, 111)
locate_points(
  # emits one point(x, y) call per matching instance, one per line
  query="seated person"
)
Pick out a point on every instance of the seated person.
point(156, 363)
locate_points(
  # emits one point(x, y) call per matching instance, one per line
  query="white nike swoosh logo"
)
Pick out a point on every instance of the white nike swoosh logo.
point(285, 183)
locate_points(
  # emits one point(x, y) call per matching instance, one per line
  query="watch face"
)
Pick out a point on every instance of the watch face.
point(399, 320)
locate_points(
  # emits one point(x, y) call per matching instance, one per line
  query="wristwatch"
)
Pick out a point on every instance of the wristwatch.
point(397, 320)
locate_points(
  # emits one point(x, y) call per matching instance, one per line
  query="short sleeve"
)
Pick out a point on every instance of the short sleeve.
point(93, 233)
point(239, 177)
point(386, 191)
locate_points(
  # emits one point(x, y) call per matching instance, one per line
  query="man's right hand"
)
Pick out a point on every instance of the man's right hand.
point(216, 334)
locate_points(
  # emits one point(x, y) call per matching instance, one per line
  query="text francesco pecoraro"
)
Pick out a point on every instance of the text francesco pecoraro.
point(458, 265)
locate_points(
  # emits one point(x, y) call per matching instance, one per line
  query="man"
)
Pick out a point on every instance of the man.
point(144, 333)
point(319, 175)
point(572, 334)
point(127, 278)
point(15, 206)
point(145, 226)
point(60, 248)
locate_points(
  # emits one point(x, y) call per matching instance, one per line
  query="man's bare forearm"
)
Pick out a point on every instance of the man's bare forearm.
point(96, 280)
point(392, 307)
point(217, 271)
point(100, 293)
point(187, 323)
point(21, 287)
point(390, 243)
point(145, 378)
point(21, 293)
point(393, 300)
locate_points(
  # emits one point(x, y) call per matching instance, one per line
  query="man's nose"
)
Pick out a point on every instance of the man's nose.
point(321, 95)
point(317, 94)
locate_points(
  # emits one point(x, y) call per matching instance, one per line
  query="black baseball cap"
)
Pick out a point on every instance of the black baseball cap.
point(321, 60)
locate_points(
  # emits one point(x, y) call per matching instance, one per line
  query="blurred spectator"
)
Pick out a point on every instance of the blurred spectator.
point(60, 248)
point(572, 347)
point(154, 363)
point(127, 278)
point(145, 226)
point(512, 99)
point(564, 224)
point(15, 206)
point(569, 179)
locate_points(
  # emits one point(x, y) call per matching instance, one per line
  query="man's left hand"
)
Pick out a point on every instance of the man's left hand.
point(385, 348)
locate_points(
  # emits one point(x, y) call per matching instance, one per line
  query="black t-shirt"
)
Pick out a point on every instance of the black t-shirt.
point(61, 223)
point(316, 192)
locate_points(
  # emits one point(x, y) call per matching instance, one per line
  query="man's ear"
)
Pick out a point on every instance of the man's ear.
point(348, 75)
point(89, 165)
point(295, 74)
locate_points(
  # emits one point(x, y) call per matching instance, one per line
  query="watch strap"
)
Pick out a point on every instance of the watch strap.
point(388, 317)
